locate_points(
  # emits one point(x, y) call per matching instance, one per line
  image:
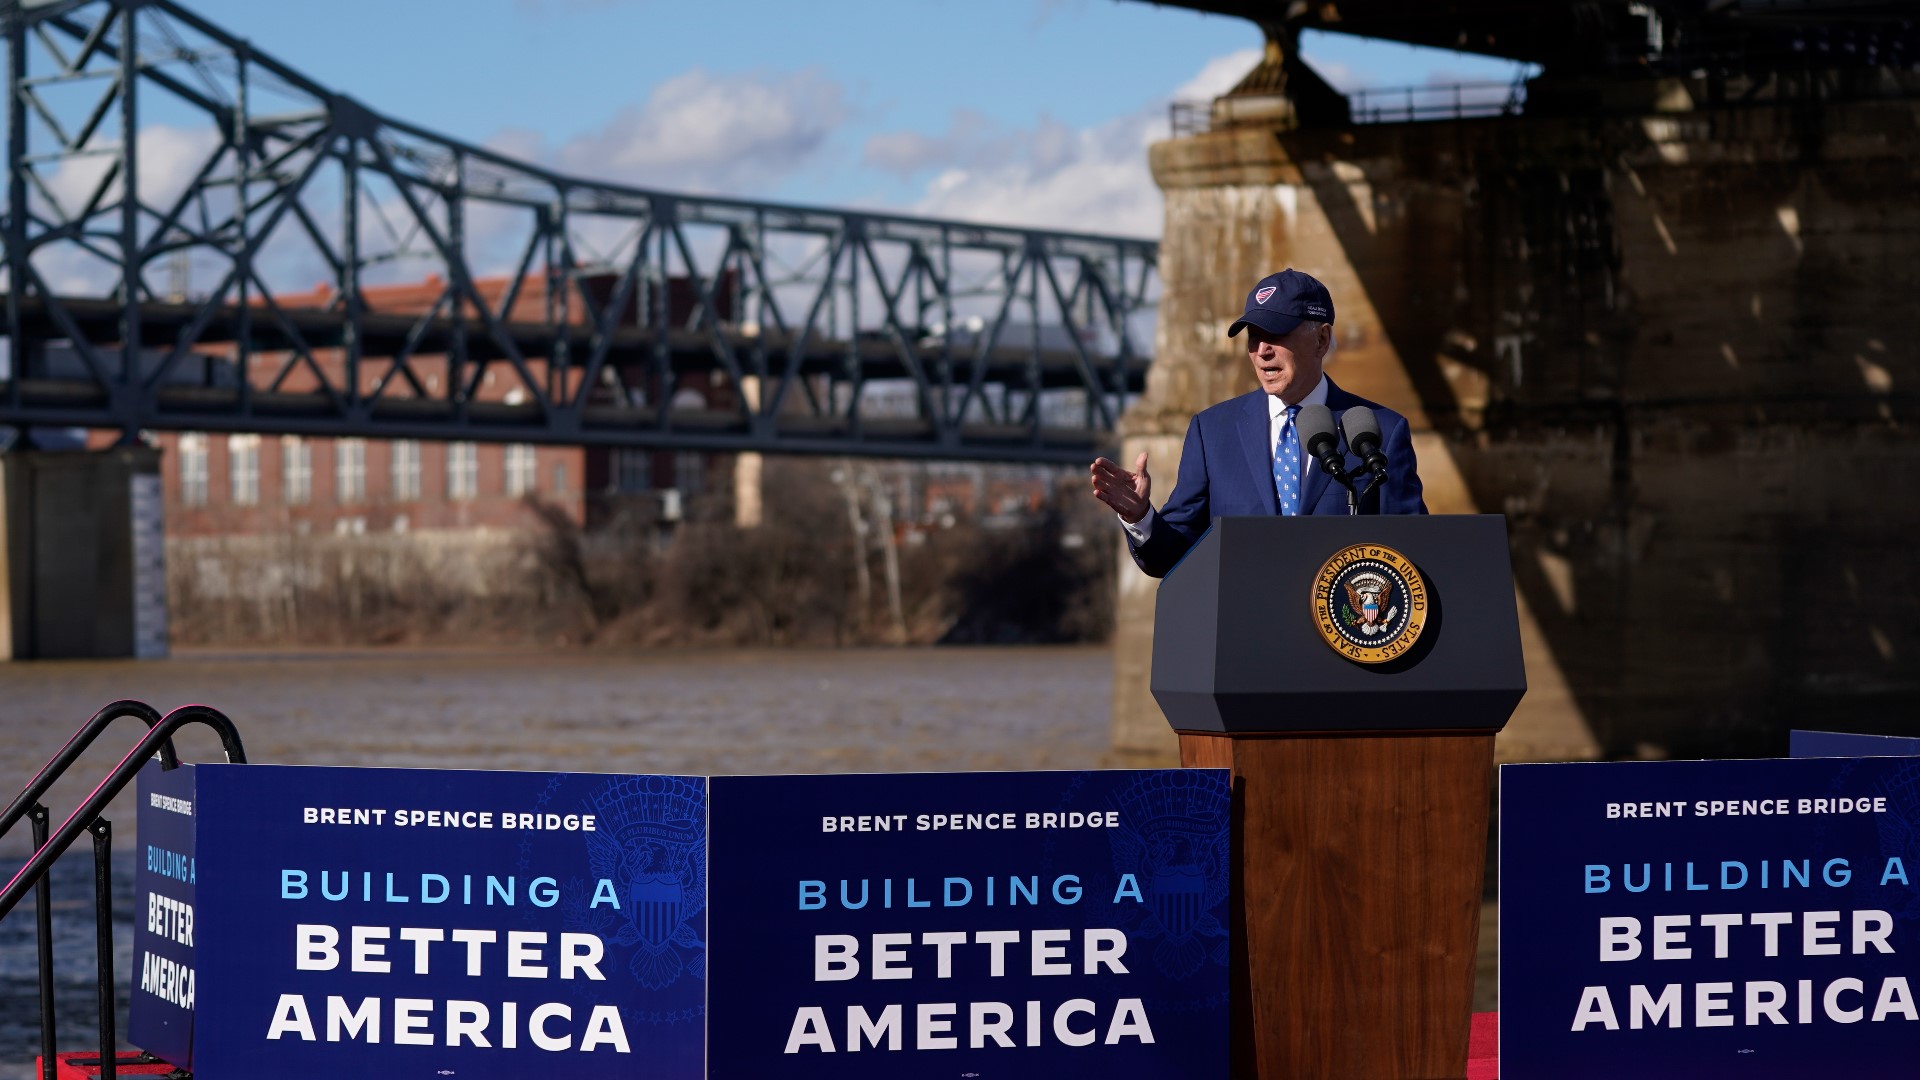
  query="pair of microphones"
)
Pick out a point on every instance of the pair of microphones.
point(1362, 431)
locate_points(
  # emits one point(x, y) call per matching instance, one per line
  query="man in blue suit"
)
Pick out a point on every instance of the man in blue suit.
point(1243, 456)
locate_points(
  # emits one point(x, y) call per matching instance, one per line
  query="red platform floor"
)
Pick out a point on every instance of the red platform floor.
point(85, 1065)
point(1483, 1047)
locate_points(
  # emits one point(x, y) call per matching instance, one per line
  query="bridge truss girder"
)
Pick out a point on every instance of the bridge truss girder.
point(144, 144)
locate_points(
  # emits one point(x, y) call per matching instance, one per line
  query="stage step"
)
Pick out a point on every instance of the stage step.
point(85, 1065)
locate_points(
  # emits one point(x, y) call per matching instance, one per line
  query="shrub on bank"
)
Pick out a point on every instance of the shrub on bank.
point(818, 570)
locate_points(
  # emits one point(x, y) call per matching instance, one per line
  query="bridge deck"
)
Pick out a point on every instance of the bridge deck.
point(210, 395)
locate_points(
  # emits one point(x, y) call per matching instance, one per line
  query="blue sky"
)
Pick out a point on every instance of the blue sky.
point(1030, 111)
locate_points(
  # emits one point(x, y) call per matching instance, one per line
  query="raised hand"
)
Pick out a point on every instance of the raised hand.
point(1126, 492)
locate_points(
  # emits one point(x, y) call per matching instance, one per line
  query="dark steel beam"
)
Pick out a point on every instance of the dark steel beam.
point(695, 291)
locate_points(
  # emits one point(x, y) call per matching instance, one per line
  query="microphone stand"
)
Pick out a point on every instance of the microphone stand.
point(1333, 467)
point(1376, 472)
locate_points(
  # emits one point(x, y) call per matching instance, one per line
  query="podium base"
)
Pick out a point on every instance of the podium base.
point(1359, 860)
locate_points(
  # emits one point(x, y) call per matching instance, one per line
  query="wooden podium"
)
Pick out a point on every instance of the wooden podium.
point(1360, 790)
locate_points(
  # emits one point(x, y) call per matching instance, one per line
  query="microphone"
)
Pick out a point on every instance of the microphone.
point(1315, 424)
point(1362, 430)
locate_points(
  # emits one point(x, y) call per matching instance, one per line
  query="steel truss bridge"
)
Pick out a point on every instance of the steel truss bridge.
point(174, 194)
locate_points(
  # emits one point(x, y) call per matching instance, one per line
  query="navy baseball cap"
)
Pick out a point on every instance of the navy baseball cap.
point(1282, 301)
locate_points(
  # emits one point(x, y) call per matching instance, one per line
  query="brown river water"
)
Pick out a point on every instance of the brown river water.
point(697, 712)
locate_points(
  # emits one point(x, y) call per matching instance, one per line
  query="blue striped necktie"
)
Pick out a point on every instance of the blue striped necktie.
point(1286, 464)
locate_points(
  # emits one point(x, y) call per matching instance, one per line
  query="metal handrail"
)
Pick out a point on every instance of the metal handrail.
point(1440, 101)
point(1387, 104)
point(83, 738)
point(35, 875)
point(123, 773)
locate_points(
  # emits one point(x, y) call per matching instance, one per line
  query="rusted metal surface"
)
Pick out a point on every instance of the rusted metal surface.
point(1671, 347)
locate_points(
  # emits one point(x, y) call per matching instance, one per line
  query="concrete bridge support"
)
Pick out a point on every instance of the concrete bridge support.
point(1670, 344)
point(82, 555)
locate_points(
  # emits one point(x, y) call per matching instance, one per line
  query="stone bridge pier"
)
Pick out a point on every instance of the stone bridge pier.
point(1671, 343)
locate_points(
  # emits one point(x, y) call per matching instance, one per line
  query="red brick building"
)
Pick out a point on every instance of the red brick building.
point(216, 484)
point(221, 484)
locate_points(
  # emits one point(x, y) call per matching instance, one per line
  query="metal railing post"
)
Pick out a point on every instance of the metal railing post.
point(103, 944)
point(43, 932)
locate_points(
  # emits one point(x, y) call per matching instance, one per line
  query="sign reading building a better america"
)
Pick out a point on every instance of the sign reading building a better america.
point(165, 878)
point(981, 924)
point(375, 922)
point(1710, 918)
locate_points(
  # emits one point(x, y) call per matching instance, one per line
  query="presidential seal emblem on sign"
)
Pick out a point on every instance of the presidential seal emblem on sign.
point(1369, 603)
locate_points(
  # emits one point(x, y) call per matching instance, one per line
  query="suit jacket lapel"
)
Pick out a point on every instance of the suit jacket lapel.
point(1317, 478)
point(1253, 437)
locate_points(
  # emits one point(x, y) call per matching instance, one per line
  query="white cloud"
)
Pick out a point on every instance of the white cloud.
point(1091, 179)
point(699, 131)
point(968, 134)
point(1222, 73)
point(169, 157)
point(1218, 76)
point(1341, 77)
point(520, 144)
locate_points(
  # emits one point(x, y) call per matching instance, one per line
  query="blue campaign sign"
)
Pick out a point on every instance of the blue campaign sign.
point(1840, 744)
point(160, 1014)
point(402, 922)
point(1710, 918)
point(980, 924)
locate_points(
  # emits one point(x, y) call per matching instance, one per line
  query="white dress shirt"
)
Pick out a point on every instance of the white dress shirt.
point(1276, 423)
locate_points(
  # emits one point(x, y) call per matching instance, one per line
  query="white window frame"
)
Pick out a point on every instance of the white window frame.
point(521, 469)
point(296, 470)
point(350, 471)
point(193, 468)
point(243, 469)
point(405, 470)
point(463, 470)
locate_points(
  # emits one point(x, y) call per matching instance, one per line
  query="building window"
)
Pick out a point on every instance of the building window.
point(463, 470)
point(296, 470)
point(690, 472)
point(193, 469)
point(350, 470)
point(406, 471)
point(243, 469)
point(520, 469)
point(633, 470)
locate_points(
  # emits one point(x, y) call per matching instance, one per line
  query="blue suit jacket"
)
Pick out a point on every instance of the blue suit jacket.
point(1226, 468)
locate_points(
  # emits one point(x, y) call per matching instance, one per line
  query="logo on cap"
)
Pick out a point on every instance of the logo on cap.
point(1261, 296)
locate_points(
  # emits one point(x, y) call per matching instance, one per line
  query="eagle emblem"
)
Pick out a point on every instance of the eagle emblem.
point(1369, 608)
point(1175, 843)
point(652, 844)
point(1369, 603)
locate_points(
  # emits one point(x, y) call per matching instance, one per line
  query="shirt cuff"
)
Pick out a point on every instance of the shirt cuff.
point(1141, 529)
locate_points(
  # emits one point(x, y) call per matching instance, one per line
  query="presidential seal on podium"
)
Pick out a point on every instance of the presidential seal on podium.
point(1369, 603)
